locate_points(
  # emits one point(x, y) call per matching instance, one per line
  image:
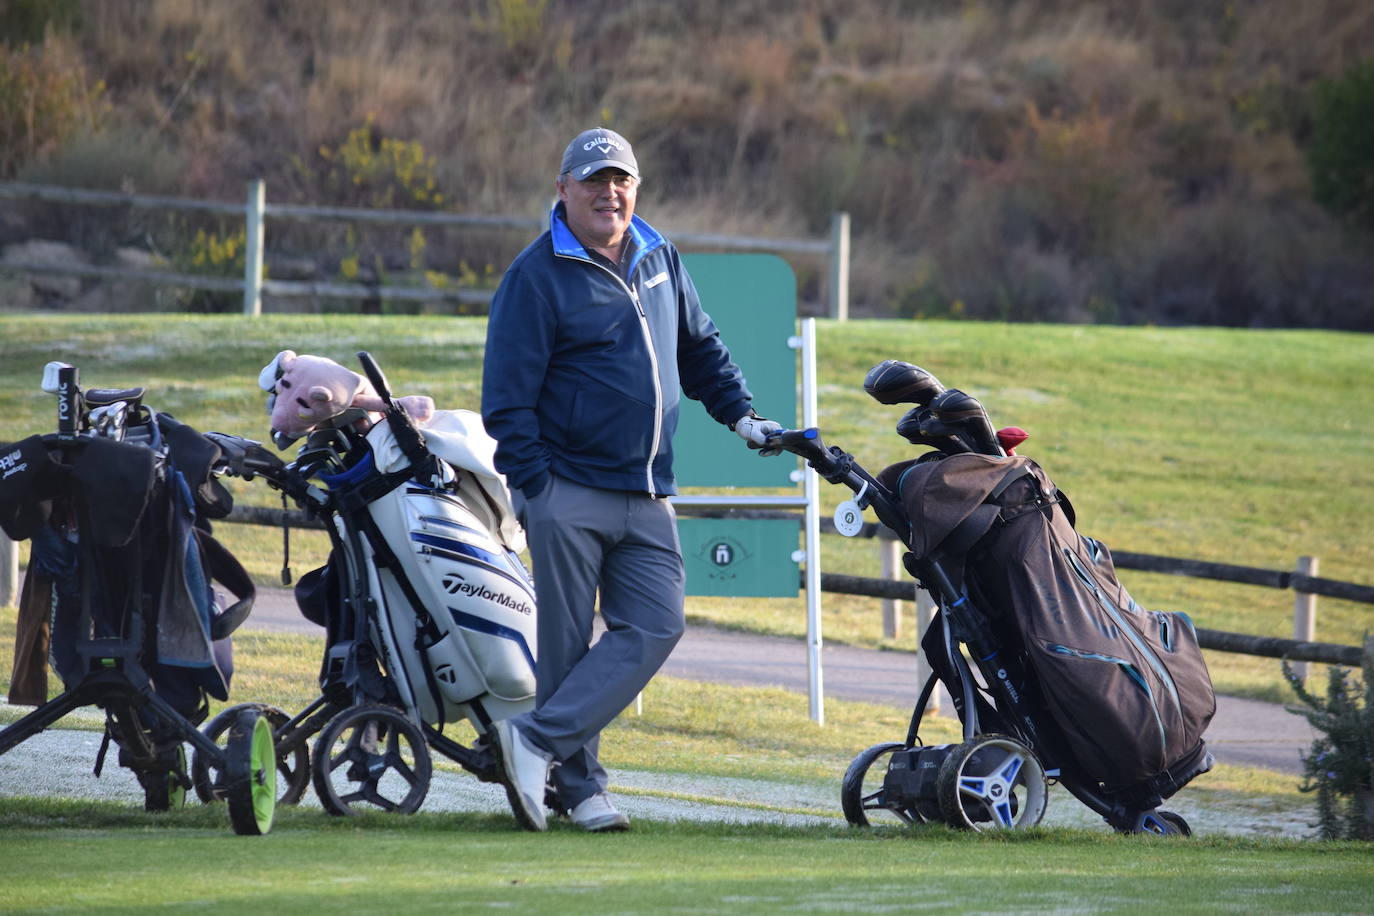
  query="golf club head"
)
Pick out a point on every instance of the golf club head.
point(109, 421)
point(919, 427)
point(895, 382)
point(956, 410)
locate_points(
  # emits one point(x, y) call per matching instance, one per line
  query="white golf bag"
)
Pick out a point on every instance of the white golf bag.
point(455, 613)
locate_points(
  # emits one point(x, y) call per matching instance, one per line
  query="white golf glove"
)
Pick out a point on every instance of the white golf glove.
point(755, 430)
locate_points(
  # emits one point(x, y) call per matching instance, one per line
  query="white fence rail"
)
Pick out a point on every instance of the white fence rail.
point(257, 211)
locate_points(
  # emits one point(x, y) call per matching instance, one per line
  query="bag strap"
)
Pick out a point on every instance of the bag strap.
point(224, 568)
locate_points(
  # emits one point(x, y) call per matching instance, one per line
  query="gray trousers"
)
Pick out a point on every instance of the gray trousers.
point(624, 545)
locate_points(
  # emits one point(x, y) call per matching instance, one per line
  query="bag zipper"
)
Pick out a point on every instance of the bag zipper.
point(1126, 628)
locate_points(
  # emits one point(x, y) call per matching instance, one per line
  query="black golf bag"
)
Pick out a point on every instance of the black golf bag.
point(120, 587)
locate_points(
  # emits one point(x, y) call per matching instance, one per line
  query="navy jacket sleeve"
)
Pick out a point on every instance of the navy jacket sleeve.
point(707, 372)
point(520, 334)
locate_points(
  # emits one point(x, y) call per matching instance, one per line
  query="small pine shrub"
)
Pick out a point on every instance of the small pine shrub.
point(520, 27)
point(1340, 766)
point(27, 21)
point(520, 23)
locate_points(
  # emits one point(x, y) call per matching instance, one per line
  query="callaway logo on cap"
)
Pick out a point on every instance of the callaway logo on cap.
point(596, 149)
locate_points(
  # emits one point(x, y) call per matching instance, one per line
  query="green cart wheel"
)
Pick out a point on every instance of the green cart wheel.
point(165, 789)
point(293, 769)
point(250, 774)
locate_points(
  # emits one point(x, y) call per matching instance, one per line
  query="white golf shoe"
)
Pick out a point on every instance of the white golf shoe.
point(527, 772)
point(596, 813)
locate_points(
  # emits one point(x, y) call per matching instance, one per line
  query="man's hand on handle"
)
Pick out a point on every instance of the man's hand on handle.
point(755, 430)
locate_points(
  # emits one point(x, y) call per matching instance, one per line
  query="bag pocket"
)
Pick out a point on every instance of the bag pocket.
point(1107, 709)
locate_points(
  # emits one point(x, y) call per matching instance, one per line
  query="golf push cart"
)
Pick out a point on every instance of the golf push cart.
point(116, 505)
point(1056, 674)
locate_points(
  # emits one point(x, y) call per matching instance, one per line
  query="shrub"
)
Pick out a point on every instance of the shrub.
point(1340, 766)
point(44, 100)
point(1341, 158)
point(370, 169)
point(118, 160)
point(520, 26)
point(1241, 262)
point(215, 255)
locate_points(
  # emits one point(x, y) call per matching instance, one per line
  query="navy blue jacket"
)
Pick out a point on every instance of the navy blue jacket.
point(582, 368)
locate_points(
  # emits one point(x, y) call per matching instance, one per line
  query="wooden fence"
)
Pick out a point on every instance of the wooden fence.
point(899, 587)
point(256, 211)
point(895, 586)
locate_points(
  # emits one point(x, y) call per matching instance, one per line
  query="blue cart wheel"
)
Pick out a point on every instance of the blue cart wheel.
point(992, 783)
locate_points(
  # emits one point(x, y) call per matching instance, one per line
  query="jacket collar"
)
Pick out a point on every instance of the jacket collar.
point(645, 237)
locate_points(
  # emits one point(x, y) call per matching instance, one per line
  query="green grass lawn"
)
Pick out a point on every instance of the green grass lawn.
point(60, 855)
point(110, 859)
point(1236, 446)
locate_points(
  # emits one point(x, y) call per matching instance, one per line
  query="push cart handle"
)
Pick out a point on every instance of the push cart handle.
point(804, 443)
point(839, 467)
point(408, 435)
point(374, 375)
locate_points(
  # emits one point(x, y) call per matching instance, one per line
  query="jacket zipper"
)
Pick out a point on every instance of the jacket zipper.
point(653, 365)
point(658, 388)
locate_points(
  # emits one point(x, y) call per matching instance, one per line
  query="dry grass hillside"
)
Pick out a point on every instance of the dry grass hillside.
point(1060, 160)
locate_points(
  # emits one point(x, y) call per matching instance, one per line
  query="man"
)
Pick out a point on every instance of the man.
point(593, 329)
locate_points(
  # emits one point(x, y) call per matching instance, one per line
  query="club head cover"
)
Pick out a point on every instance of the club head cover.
point(895, 382)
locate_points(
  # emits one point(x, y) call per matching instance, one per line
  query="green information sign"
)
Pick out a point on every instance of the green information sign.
point(740, 557)
point(753, 300)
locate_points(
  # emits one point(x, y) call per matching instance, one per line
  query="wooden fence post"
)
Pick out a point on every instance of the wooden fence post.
point(252, 247)
point(839, 266)
point(9, 572)
point(1305, 614)
point(891, 552)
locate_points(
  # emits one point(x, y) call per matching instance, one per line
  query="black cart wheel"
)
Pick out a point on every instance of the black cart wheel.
point(164, 789)
point(1176, 821)
point(1164, 823)
point(992, 783)
point(861, 793)
point(250, 774)
point(371, 755)
point(293, 769)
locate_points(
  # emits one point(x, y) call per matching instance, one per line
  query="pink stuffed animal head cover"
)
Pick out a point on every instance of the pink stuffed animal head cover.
point(305, 392)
